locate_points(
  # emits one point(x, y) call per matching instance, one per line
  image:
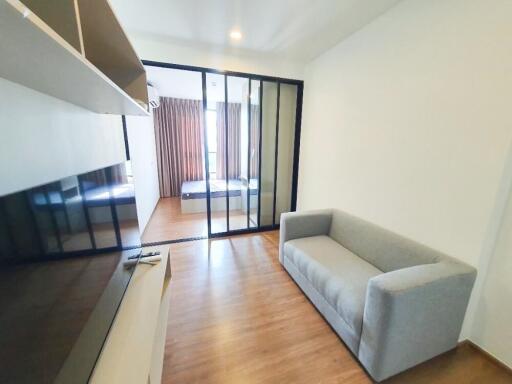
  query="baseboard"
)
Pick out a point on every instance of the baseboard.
point(487, 355)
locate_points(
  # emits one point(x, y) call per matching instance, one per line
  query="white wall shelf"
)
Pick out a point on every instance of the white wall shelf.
point(74, 50)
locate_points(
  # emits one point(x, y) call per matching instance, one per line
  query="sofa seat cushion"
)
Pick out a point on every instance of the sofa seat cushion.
point(337, 274)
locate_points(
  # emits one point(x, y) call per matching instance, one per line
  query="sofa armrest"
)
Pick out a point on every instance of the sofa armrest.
point(412, 315)
point(295, 225)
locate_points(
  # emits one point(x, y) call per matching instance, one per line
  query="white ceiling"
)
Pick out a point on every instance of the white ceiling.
point(295, 29)
point(183, 84)
point(175, 83)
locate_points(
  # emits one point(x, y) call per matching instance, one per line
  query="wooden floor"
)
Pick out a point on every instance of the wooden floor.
point(168, 223)
point(237, 317)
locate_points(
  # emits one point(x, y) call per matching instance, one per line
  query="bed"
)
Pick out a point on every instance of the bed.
point(193, 195)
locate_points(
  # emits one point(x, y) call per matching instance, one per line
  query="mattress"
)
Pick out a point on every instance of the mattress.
point(197, 189)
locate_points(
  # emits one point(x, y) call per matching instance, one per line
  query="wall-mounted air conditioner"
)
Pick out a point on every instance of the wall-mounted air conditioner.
point(153, 97)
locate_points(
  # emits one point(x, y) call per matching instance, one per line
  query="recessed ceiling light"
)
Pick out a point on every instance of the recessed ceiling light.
point(235, 34)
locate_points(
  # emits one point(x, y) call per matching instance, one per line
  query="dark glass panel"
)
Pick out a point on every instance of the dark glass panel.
point(97, 199)
point(254, 151)
point(268, 149)
point(122, 194)
point(58, 292)
point(216, 139)
point(287, 112)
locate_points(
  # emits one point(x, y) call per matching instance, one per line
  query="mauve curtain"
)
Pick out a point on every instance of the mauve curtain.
point(179, 143)
point(234, 113)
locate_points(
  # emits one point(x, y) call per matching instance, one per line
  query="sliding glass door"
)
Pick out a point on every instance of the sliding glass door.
point(215, 148)
point(226, 151)
point(251, 126)
point(254, 134)
point(285, 137)
point(268, 152)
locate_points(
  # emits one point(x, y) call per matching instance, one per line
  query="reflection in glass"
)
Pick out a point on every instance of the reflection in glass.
point(38, 203)
point(19, 229)
point(68, 210)
point(123, 198)
point(96, 194)
point(92, 211)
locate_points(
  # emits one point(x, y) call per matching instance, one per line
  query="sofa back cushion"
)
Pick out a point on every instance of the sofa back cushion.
point(384, 249)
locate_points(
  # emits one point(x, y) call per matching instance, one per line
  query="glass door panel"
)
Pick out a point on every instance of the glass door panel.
point(286, 138)
point(254, 151)
point(250, 134)
point(238, 152)
point(268, 151)
point(216, 154)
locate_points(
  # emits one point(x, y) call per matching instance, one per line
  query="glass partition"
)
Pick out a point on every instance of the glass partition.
point(249, 126)
point(285, 149)
point(238, 153)
point(254, 152)
point(268, 151)
point(217, 155)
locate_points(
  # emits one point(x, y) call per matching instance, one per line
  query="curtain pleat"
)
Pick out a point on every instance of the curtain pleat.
point(255, 141)
point(234, 126)
point(233, 147)
point(179, 143)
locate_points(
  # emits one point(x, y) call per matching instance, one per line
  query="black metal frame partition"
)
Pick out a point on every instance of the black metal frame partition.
point(296, 150)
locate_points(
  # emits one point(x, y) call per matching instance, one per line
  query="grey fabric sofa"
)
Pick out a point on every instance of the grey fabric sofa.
point(395, 303)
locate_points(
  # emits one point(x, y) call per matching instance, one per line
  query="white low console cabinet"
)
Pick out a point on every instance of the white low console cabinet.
point(134, 349)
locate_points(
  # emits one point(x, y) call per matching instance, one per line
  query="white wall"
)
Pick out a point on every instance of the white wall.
point(407, 124)
point(157, 50)
point(141, 141)
point(43, 139)
point(491, 327)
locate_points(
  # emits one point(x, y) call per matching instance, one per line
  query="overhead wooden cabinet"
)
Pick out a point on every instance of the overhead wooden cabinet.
point(75, 50)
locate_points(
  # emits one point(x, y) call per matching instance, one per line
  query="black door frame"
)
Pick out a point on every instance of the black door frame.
point(296, 149)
